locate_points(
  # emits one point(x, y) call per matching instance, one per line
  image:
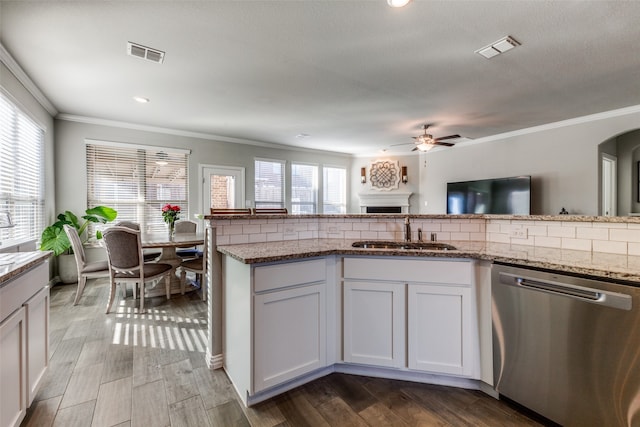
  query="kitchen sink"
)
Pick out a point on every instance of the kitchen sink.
point(382, 244)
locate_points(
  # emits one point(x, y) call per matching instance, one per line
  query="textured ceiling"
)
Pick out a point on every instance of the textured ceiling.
point(356, 76)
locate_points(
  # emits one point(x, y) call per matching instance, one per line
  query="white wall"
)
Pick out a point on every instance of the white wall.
point(71, 181)
point(562, 161)
point(412, 186)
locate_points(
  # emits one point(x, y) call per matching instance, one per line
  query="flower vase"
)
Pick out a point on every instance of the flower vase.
point(172, 228)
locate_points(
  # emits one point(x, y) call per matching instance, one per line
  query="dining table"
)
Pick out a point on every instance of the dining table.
point(168, 245)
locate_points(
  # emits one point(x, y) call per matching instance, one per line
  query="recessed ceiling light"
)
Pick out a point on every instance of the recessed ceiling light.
point(398, 3)
point(141, 99)
point(302, 135)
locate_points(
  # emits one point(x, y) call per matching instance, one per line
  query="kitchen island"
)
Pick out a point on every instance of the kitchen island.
point(264, 281)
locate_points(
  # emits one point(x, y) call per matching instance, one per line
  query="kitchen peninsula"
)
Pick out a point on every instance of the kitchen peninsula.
point(297, 279)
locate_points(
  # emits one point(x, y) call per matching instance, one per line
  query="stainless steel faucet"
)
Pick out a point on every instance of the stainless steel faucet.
point(407, 230)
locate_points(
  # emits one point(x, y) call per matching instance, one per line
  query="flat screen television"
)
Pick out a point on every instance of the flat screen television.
point(490, 196)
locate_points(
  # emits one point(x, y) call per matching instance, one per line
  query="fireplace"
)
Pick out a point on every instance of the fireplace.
point(390, 202)
point(383, 209)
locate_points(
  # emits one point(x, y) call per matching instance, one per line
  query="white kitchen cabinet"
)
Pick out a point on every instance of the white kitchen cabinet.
point(24, 341)
point(37, 314)
point(290, 334)
point(275, 324)
point(440, 328)
point(13, 369)
point(374, 323)
point(410, 313)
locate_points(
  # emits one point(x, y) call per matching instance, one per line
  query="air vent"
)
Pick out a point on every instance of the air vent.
point(498, 47)
point(143, 52)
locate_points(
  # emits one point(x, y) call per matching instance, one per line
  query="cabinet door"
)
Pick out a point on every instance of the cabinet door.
point(439, 326)
point(37, 314)
point(290, 334)
point(374, 323)
point(13, 369)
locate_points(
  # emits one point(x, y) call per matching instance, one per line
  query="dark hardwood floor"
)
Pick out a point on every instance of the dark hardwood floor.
point(130, 369)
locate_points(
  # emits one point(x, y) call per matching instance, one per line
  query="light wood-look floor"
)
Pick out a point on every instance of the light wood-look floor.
point(127, 369)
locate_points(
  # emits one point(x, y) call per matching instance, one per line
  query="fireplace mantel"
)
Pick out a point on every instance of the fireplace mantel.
point(393, 198)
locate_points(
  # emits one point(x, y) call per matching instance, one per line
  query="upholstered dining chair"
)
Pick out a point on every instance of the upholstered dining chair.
point(86, 270)
point(126, 263)
point(197, 266)
point(187, 227)
point(148, 255)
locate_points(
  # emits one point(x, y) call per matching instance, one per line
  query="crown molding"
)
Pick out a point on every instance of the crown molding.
point(188, 134)
point(634, 109)
point(16, 70)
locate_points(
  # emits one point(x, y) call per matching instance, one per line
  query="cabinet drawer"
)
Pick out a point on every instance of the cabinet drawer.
point(288, 274)
point(458, 272)
point(19, 289)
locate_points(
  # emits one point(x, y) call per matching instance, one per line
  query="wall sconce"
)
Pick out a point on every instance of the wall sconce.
point(404, 176)
point(363, 175)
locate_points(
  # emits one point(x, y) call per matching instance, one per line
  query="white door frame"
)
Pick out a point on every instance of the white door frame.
point(237, 171)
point(609, 186)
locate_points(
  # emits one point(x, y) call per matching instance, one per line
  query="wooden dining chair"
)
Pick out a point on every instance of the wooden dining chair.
point(187, 227)
point(270, 211)
point(148, 255)
point(126, 263)
point(238, 211)
point(197, 266)
point(86, 270)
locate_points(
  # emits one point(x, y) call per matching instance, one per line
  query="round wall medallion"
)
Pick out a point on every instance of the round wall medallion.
point(384, 175)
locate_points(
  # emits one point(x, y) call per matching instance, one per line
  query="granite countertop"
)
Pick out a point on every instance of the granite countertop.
point(563, 218)
point(584, 263)
point(15, 263)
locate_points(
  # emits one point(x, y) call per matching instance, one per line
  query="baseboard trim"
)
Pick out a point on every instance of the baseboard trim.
point(214, 361)
point(289, 385)
point(406, 375)
point(370, 371)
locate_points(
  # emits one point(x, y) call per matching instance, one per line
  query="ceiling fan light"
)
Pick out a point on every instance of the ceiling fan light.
point(398, 3)
point(161, 158)
point(425, 146)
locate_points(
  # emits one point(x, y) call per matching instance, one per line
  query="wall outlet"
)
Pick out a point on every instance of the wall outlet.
point(519, 232)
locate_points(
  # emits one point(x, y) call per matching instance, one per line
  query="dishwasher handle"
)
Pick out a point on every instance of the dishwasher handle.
point(596, 296)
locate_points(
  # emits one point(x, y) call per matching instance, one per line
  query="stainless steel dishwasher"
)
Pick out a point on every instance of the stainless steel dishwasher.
point(567, 347)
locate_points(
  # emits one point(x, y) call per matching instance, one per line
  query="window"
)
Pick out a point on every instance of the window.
point(137, 181)
point(21, 175)
point(269, 184)
point(335, 190)
point(304, 189)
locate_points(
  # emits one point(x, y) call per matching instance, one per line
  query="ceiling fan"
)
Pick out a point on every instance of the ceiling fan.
point(426, 141)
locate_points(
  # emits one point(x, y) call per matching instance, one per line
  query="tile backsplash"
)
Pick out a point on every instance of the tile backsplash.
point(616, 237)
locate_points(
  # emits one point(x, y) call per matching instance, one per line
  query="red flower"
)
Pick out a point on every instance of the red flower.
point(170, 213)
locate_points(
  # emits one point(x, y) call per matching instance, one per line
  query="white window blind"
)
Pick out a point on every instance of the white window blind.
point(334, 190)
point(137, 182)
point(21, 175)
point(269, 184)
point(304, 189)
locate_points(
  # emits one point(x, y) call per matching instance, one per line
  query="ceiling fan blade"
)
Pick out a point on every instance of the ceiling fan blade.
point(446, 144)
point(403, 143)
point(447, 137)
point(414, 148)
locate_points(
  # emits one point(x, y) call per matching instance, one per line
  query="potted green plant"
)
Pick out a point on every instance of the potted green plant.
point(55, 239)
